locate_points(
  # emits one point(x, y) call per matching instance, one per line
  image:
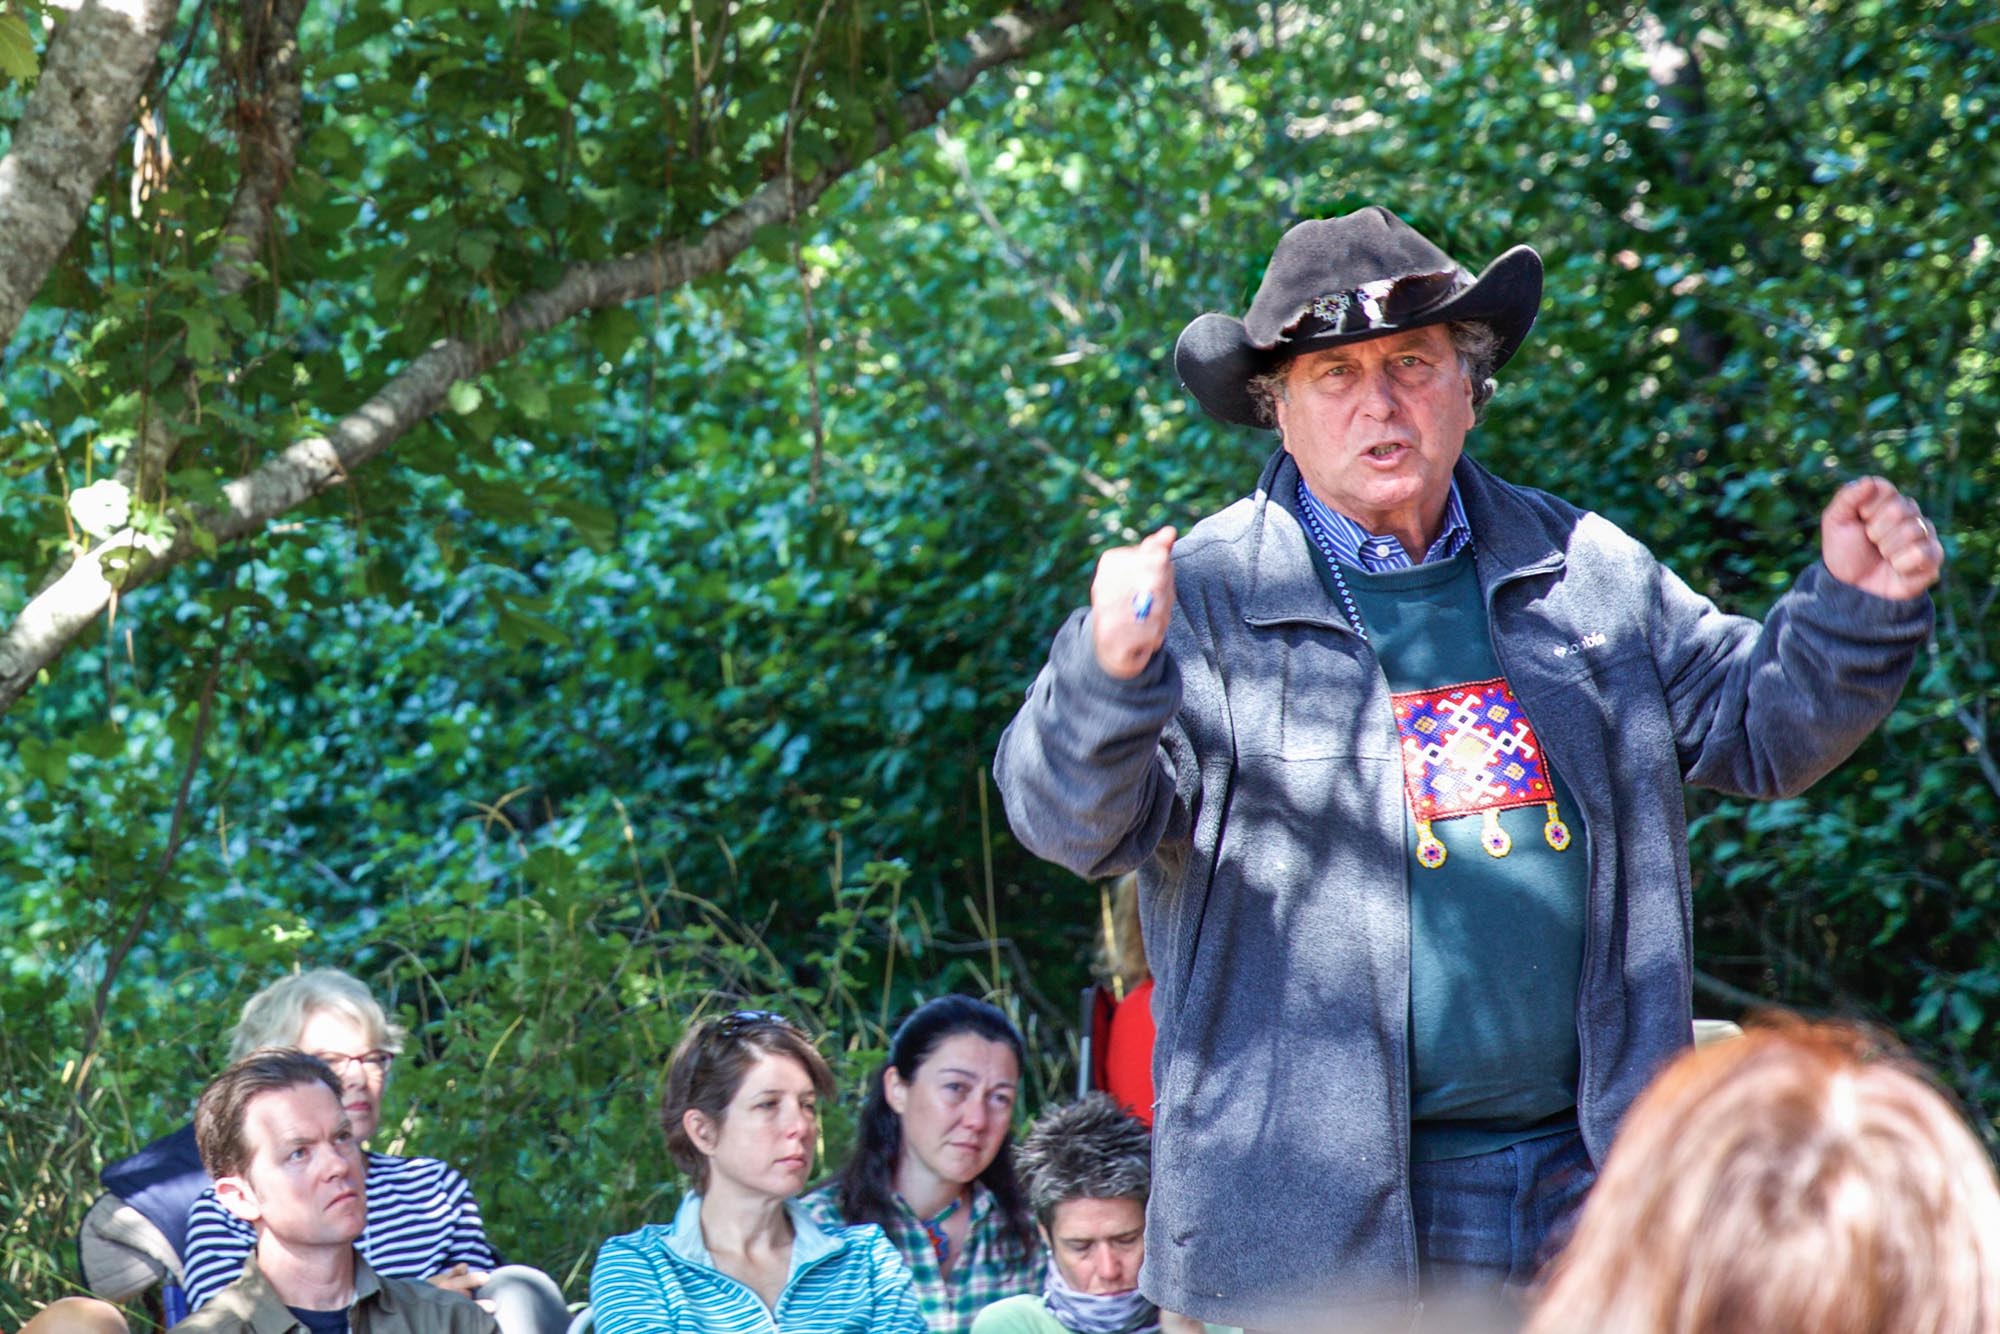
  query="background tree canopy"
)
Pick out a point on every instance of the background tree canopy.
point(550, 506)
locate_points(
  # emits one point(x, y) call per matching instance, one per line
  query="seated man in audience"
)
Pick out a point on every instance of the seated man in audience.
point(1088, 1168)
point(277, 1141)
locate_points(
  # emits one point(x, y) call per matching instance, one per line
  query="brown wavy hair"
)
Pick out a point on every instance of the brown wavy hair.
point(708, 1066)
point(1806, 1178)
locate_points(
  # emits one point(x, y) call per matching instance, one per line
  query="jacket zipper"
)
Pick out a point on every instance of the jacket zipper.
point(1583, 1063)
point(1412, 1288)
point(770, 1312)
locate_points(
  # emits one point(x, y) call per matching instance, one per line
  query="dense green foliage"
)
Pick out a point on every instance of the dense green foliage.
point(664, 666)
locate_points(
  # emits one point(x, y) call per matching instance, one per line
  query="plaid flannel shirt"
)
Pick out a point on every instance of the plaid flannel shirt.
point(991, 1267)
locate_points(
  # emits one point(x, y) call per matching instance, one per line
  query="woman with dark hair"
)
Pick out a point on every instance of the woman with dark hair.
point(933, 1162)
point(741, 1116)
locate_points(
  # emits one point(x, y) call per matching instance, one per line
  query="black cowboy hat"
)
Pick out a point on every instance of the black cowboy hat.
point(1339, 280)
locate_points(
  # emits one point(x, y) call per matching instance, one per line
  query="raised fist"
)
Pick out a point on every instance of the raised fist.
point(1131, 601)
point(1874, 537)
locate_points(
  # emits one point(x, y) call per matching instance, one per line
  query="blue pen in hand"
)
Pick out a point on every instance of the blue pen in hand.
point(1142, 604)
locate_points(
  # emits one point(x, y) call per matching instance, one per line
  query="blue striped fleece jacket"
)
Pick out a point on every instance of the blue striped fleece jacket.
point(422, 1220)
point(844, 1280)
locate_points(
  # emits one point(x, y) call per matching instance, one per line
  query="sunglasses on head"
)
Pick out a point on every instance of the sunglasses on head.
point(718, 1033)
point(741, 1021)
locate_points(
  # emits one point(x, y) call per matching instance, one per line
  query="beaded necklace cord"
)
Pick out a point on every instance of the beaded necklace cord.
point(934, 1229)
point(1430, 851)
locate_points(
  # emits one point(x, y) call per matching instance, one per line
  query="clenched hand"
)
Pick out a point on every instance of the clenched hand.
point(1874, 537)
point(1131, 601)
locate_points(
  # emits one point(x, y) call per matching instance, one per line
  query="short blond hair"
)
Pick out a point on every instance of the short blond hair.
point(274, 1016)
point(1805, 1178)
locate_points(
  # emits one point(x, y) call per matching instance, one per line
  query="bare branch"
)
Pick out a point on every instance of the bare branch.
point(267, 134)
point(96, 67)
point(1010, 249)
point(62, 609)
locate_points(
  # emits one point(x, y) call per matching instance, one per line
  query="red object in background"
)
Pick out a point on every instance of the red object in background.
point(1128, 1053)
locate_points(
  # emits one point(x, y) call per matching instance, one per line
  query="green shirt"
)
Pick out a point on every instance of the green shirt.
point(381, 1306)
point(1496, 942)
point(992, 1266)
point(1029, 1314)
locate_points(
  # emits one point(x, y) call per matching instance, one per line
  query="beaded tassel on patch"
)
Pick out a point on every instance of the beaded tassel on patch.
point(1469, 750)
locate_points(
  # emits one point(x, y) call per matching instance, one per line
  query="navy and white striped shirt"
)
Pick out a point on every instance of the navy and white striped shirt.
point(1374, 552)
point(422, 1220)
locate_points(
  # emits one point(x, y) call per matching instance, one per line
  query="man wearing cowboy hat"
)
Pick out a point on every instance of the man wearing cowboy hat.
point(1404, 791)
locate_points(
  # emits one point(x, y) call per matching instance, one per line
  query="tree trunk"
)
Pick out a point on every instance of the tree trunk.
point(96, 68)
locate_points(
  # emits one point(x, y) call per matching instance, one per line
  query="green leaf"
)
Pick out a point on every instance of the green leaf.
point(204, 335)
point(517, 628)
point(476, 249)
point(17, 49)
point(597, 526)
point(44, 761)
point(612, 331)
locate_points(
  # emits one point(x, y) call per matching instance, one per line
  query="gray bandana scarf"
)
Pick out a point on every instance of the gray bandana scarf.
point(1118, 1313)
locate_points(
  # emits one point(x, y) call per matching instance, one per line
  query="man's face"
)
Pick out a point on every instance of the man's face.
point(1377, 425)
point(304, 1183)
point(1098, 1244)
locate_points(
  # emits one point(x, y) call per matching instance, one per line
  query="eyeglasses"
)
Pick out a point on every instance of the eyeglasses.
point(371, 1062)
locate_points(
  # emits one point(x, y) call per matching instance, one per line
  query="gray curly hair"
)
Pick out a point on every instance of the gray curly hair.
point(1478, 348)
point(1092, 1149)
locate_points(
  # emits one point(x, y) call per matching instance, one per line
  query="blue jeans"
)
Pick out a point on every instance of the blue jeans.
point(1487, 1224)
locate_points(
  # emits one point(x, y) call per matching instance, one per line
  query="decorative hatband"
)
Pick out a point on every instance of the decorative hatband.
point(1385, 303)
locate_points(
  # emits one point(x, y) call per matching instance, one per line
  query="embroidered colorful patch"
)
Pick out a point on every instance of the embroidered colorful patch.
point(1468, 748)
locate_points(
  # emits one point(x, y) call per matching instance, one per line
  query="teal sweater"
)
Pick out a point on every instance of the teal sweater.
point(1496, 943)
point(844, 1280)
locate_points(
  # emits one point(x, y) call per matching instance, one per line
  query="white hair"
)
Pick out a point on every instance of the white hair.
point(274, 1016)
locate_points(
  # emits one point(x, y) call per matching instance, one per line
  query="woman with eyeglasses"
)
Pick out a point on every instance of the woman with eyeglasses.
point(933, 1162)
point(741, 1116)
point(423, 1222)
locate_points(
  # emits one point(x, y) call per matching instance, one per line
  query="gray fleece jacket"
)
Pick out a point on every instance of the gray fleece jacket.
point(1252, 774)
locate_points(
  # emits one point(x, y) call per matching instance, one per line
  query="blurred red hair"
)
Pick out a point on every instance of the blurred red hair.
point(1805, 1178)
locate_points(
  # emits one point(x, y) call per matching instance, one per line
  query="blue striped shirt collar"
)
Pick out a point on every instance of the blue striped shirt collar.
point(1347, 541)
point(810, 1241)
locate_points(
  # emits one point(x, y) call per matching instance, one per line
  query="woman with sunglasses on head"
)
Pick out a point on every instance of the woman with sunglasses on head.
point(933, 1162)
point(423, 1222)
point(741, 1116)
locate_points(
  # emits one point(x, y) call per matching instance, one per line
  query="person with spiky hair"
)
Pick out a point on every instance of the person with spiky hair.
point(1088, 1169)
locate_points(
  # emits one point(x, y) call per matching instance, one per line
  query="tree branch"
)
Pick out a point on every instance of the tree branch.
point(61, 610)
point(96, 67)
point(267, 122)
point(267, 133)
point(176, 834)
